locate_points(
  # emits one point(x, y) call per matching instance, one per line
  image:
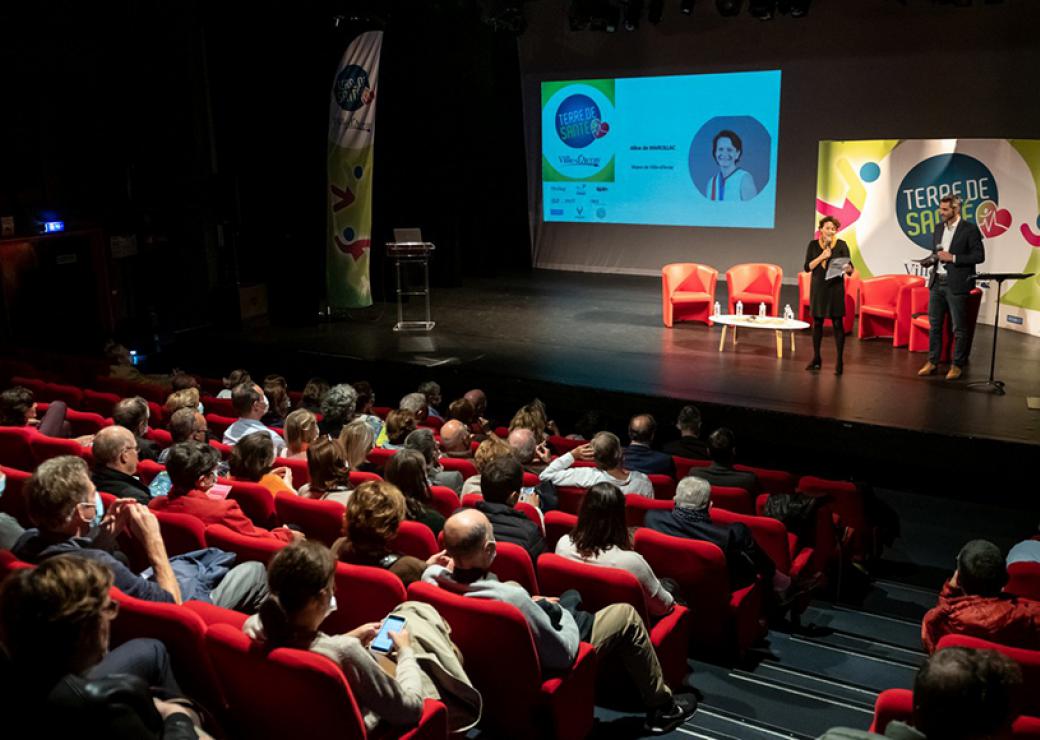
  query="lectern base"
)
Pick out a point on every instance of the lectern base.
point(997, 386)
point(414, 325)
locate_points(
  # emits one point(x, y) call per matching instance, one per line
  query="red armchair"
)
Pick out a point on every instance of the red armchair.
point(688, 292)
point(600, 587)
point(753, 283)
point(723, 622)
point(294, 693)
point(363, 594)
point(520, 701)
point(1023, 577)
point(319, 520)
point(898, 704)
point(884, 307)
point(919, 326)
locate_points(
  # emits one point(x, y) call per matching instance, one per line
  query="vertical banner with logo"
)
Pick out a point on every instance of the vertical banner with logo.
point(352, 121)
point(886, 195)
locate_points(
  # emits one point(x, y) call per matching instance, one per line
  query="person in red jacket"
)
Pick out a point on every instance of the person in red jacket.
point(192, 468)
point(971, 603)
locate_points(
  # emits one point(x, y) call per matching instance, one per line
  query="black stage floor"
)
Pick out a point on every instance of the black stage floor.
point(585, 340)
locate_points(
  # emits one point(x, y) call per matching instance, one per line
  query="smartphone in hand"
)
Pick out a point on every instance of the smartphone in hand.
point(382, 643)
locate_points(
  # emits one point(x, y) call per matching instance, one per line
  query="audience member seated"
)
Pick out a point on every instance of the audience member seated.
point(456, 440)
point(500, 483)
point(531, 455)
point(605, 450)
point(133, 414)
point(329, 472)
point(417, 404)
point(407, 471)
point(617, 631)
point(959, 694)
point(587, 425)
point(399, 424)
point(366, 399)
point(358, 439)
point(462, 410)
point(10, 530)
point(186, 424)
point(971, 603)
point(115, 462)
point(276, 389)
point(373, 515)
point(490, 449)
point(478, 398)
point(689, 444)
point(186, 398)
point(1026, 551)
point(192, 468)
point(422, 441)
point(303, 595)
point(639, 455)
point(432, 392)
point(180, 381)
point(59, 678)
point(313, 394)
point(122, 366)
point(532, 416)
point(601, 537)
point(722, 449)
point(18, 409)
point(337, 409)
point(301, 429)
point(60, 498)
point(234, 379)
point(251, 405)
point(691, 518)
point(252, 461)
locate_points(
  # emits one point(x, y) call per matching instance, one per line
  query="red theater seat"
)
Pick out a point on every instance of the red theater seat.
point(898, 705)
point(415, 539)
point(462, 465)
point(319, 520)
point(688, 292)
point(181, 532)
point(445, 500)
point(218, 424)
point(754, 283)
point(13, 500)
point(600, 587)
point(520, 700)
point(363, 594)
point(685, 466)
point(44, 448)
point(16, 449)
point(294, 693)
point(1023, 579)
point(1028, 661)
point(300, 472)
point(557, 524)
point(246, 547)
point(847, 503)
point(722, 621)
point(256, 501)
point(99, 402)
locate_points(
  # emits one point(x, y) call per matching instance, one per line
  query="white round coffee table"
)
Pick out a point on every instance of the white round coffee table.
point(753, 321)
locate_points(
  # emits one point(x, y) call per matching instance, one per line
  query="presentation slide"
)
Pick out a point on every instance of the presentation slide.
point(689, 150)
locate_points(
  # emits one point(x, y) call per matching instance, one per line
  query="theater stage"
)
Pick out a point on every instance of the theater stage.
point(582, 341)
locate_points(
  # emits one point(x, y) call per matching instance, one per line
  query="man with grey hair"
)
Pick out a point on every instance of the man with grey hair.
point(115, 463)
point(422, 441)
point(456, 440)
point(133, 413)
point(605, 450)
point(431, 390)
point(957, 251)
point(337, 409)
point(532, 456)
point(691, 518)
point(185, 424)
point(416, 403)
point(557, 626)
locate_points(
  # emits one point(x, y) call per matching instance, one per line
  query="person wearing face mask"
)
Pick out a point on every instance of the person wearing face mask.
point(251, 404)
point(827, 294)
point(301, 579)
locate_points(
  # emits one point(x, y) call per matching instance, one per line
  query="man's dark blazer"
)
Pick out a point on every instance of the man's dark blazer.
point(121, 485)
point(646, 460)
point(966, 246)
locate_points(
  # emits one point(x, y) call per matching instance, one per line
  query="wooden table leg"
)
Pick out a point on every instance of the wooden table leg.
point(792, 341)
point(734, 336)
point(722, 340)
point(779, 343)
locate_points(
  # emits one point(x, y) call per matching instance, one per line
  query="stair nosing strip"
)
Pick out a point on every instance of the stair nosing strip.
point(805, 694)
point(865, 656)
point(872, 641)
point(747, 722)
point(814, 677)
point(886, 617)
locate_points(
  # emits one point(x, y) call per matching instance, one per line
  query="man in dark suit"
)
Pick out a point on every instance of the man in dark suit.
point(690, 518)
point(689, 445)
point(115, 461)
point(639, 455)
point(722, 448)
point(957, 251)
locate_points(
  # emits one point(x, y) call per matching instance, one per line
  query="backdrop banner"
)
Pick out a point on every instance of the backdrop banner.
point(886, 195)
point(352, 128)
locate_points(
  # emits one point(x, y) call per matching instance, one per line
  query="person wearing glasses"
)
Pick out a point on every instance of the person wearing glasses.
point(115, 464)
point(60, 678)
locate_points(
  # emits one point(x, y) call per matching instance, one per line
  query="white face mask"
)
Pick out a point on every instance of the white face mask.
point(267, 404)
point(331, 607)
point(201, 408)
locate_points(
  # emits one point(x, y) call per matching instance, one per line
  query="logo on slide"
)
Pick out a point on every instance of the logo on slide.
point(352, 89)
point(917, 200)
point(579, 121)
point(992, 221)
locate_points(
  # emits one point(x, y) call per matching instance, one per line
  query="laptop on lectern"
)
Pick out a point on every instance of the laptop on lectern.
point(408, 235)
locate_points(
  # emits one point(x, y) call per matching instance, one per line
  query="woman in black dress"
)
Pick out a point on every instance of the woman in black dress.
point(827, 297)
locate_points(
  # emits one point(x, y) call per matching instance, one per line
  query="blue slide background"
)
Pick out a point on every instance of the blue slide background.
point(652, 125)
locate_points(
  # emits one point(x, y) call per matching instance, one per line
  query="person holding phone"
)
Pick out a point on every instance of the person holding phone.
point(300, 578)
point(827, 295)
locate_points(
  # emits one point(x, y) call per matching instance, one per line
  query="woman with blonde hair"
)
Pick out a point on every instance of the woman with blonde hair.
point(187, 398)
point(301, 430)
point(357, 439)
point(490, 449)
point(329, 470)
